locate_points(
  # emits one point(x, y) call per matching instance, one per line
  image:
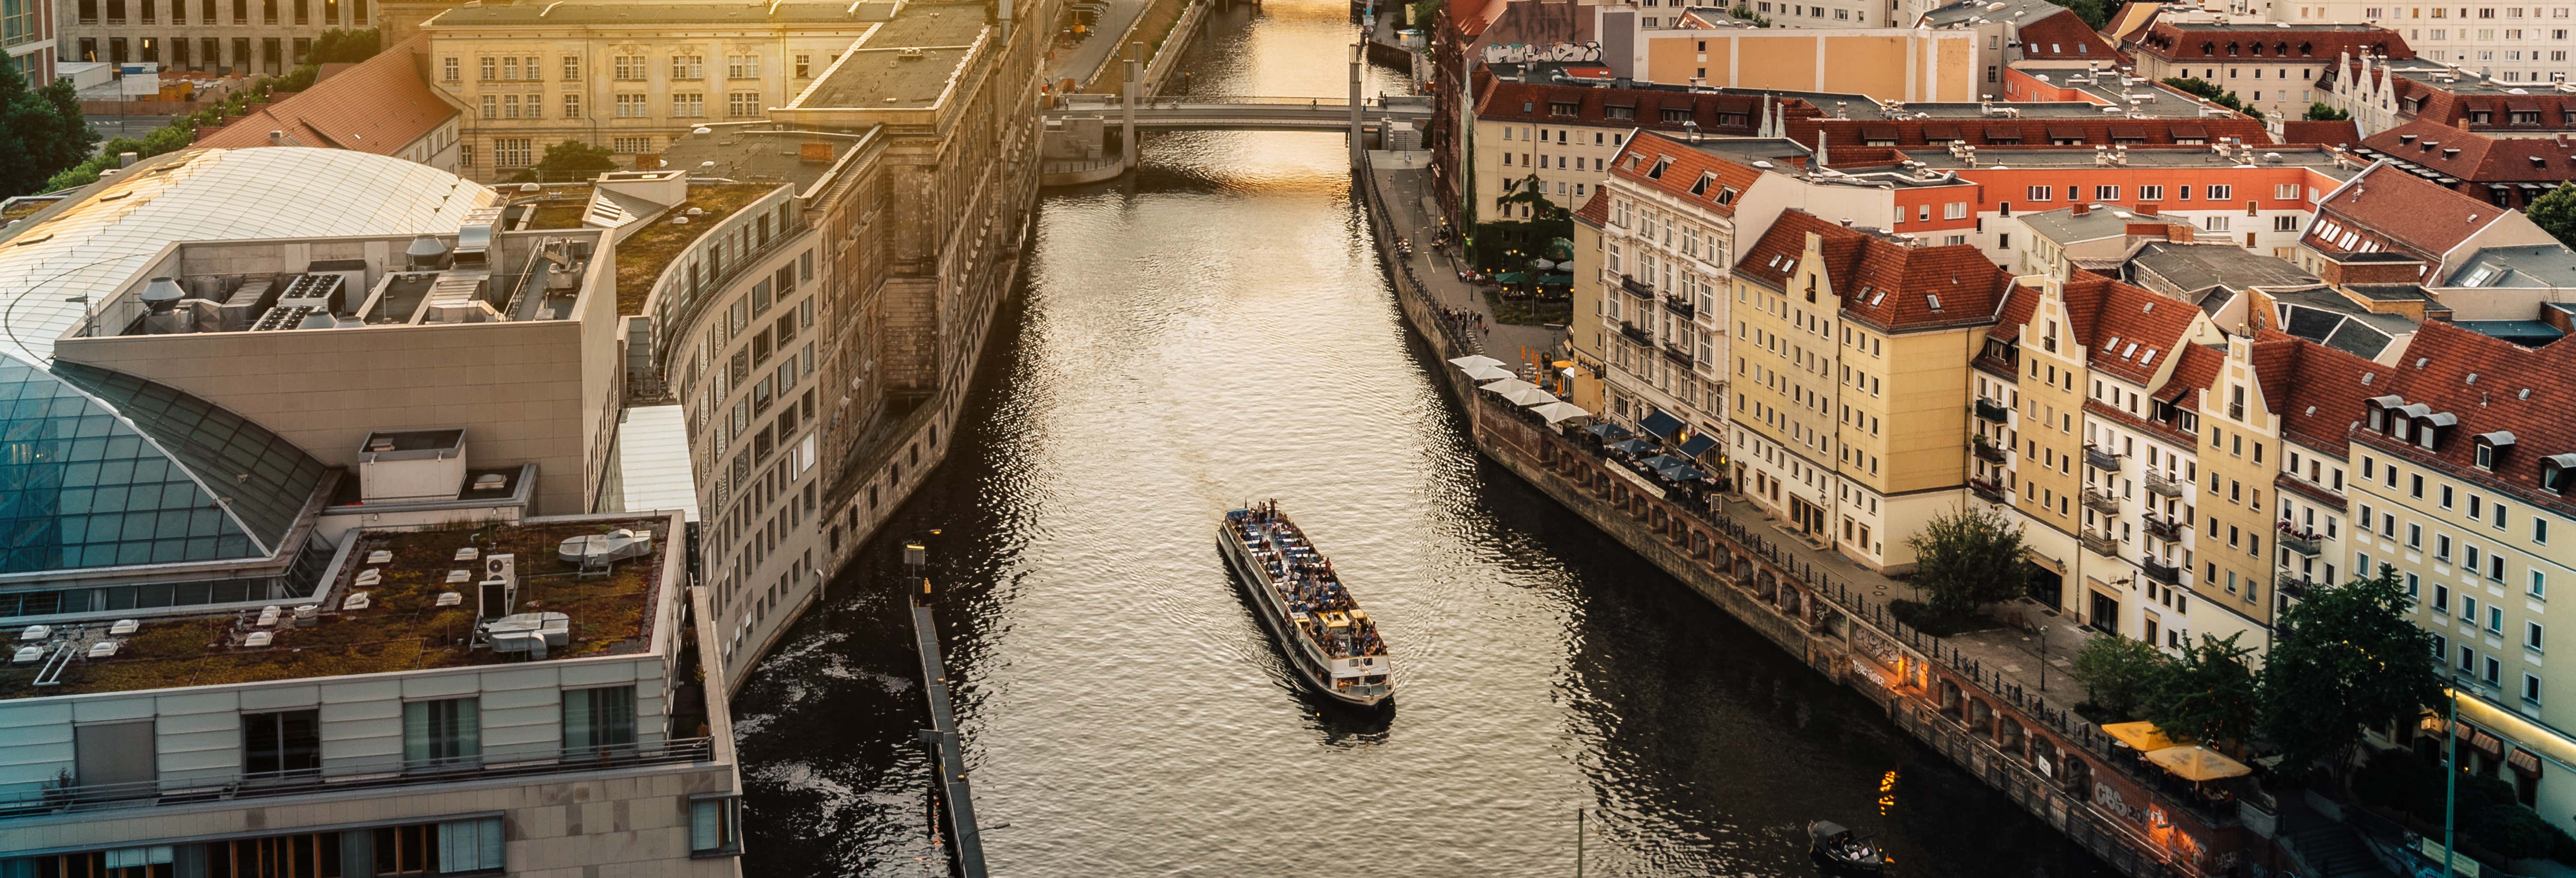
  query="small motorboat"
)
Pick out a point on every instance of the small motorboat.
point(1834, 849)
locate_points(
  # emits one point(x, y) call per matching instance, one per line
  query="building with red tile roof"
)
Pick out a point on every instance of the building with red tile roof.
point(2338, 133)
point(381, 105)
point(2503, 171)
point(2385, 215)
point(2270, 68)
point(2381, 93)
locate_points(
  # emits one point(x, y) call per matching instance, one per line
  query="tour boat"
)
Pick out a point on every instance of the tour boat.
point(1834, 849)
point(1330, 642)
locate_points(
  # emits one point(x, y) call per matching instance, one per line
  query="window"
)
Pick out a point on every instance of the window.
point(715, 826)
point(632, 106)
point(688, 106)
point(2285, 223)
point(448, 68)
point(2530, 693)
point(572, 106)
point(630, 68)
point(688, 67)
point(2041, 193)
point(804, 66)
point(631, 145)
point(439, 733)
point(469, 846)
point(2531, 636)
point(2220, 193)
point(2151, 193)
point(2106, 193)
point(596, 720)
point(572, 68)
point(491, 106)
point(742, 67)
point(2539, 586)
point(283, 744)
point(512, 152)
point(114, 753)
point(2214, 223)
point(742, 103)
point(488, 69)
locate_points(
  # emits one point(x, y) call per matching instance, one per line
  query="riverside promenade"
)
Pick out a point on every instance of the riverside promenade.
point(1987, 700)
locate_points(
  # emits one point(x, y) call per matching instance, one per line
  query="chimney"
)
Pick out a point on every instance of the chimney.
point(2081, 208)
point(127, 159)
point(2147, 209)
point(814, 152)
point(277, 136)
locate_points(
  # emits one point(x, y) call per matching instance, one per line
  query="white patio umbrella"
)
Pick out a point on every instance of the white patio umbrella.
point(1558, 411)
point(1510, 386)
point(1489, 373)
point(1474, 361)
point(1530, 397)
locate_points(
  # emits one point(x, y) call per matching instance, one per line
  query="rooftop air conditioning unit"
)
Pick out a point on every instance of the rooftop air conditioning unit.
point(499, 591)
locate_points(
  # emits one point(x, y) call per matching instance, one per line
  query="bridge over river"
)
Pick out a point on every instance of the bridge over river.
point(1130, 112)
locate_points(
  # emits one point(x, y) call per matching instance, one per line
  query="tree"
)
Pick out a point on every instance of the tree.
point(2095, 13)
point(42, 131)
point(2119, 674)
point(2556, 212)
point(2210, 695)
point(1967, 557)
point(2216, 95)
point(2344, 658)
point(2319, 112)
point(569, 160)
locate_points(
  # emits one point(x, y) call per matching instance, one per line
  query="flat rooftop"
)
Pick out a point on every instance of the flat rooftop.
point(661, 13)
point(402, 626)
point(643, 256)
point(766, 152)
point(2201, 266)
point(908, 63)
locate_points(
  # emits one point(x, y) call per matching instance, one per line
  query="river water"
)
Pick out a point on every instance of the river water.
point(1214, 330)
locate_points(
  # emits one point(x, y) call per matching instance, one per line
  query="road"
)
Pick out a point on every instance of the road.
point(1078, 62)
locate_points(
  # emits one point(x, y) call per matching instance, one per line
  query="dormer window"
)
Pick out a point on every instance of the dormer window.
point(2554, 472)
point(2430, 427)
point(2491, 447)
point(2379, 407)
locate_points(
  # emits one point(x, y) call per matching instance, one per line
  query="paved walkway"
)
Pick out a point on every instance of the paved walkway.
point(1405, 177)
point(1077, 63)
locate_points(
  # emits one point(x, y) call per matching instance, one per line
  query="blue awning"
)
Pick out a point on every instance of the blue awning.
point(1661, 424)
point(1609, 431)
point(1660, 462)
point(1632, 446)
point(1682, 473)
point(1698, 445)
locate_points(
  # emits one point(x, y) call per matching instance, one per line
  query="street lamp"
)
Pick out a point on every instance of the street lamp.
point(2450, 774)
point(2043, 658)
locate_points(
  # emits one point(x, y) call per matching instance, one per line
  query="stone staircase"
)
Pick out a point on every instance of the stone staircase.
point(2331, 848)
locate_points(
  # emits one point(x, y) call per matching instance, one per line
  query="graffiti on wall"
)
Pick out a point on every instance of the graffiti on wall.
point(1524, 53)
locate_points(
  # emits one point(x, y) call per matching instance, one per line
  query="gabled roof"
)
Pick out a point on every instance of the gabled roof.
point(2341, 132)
point(1595, 211)
point(1684, 172)
point(1993, 130)
point(2483, 381)
point(2262, 43)
point(2386, 209)
point(1552, 104)
point(2063, 36)
point(379, 105)
point(2421, 94)
point(2192, 374)
point(2474, 157)
point(2324, 393)
point(1883, 282)
point(2132, 332)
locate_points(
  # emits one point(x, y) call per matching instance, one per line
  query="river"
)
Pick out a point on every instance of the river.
point(1215, 329)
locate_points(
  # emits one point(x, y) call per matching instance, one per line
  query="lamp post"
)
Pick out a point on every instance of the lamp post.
point(2043, 658)
point(2450, 774)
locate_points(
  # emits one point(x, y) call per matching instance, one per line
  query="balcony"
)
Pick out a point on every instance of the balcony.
point(1682, 306)
point(1992, 412)
point(1637, 288)
point(1987, 490)
point(2101, 502)
point(2098, 543)
point(2097, 458)
point(1635, 334)
point(2296, 541)
point(2162, 485)
point(2161, 572)
point(1990, 452)
point(376, 774)
point(1673, 351)
point(2165, 529)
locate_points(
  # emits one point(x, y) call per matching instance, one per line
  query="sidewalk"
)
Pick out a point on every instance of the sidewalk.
point(1405, 177)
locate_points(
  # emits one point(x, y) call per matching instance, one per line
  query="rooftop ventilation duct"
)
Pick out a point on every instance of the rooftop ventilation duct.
point(161, 294)
point(426, 254)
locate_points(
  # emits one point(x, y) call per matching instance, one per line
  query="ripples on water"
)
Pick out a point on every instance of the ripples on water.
point(1217, 331)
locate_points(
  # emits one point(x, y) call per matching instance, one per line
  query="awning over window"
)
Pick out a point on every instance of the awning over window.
point(2523, 761)
point(1941, 132)
point(1699, 445)
point(1878, 132)
point(2189, 131)
point(2065, 131)
point(2131, 131)
point(1661, 424)
point(2002, 133)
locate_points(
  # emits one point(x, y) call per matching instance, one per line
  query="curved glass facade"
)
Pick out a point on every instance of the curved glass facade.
point(103, 469)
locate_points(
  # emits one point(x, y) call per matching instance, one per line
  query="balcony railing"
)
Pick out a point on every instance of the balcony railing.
point(1673, 352)
point(1682, 306)
point(2101, 502)
point(1992, 411)
point(2161, 572)
point(2162, 485)
point(2098, 458)
point(1986, 489)
point(1636, 334)
point(32, 800)
point(2099, 544)
point(2304, 544)
point(1990, 452)
point(2165, 529)
point(1637, 288)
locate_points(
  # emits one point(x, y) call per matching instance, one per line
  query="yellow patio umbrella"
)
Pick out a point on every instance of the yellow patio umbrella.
point(2142, 735)
point(2197, 763)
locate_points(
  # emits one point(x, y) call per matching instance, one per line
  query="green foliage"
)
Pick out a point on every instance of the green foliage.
point(1966, 558)
point(2343, 658)
point(332, 47)
point(2556, 213)
point(2489, 820)
point(1747, 13)
point(2119, 674)
point(2319, 112)
point(1510, 244)
point(41, 132)
point(1921, 617)
point(569, 160)
point(1422, 13)
point(2209, 696)
point(2222, 97)
point(2095, 13)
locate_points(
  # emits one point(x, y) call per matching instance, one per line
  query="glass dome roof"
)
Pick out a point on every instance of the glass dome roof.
point(102, 469)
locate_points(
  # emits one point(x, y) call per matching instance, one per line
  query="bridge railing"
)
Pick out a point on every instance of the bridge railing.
point(1111, 102)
